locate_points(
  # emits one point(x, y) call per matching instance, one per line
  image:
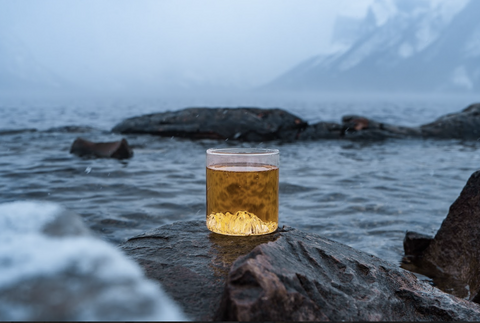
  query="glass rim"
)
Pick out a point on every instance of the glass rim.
point(242, 151)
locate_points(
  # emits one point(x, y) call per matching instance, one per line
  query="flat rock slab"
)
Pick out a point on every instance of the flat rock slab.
point(288, 275)
point(191, 262)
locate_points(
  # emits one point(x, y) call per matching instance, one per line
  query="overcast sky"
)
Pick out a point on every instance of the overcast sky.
point(238, 42)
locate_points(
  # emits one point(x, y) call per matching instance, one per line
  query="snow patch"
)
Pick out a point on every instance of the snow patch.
point(26, 217)
point(26, 253)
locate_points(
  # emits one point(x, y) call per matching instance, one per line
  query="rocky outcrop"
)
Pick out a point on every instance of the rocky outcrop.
point(248, 124)
point(256, 124)
point(452, 257)
point(52, 268)
point(355, 127)
point(461, 125)
point(116, 149)
point(285, 276)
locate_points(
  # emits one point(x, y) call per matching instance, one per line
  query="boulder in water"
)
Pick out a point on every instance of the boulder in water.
point(452, 257)
point(460, 125)
point(247, 124)
point(116, 149)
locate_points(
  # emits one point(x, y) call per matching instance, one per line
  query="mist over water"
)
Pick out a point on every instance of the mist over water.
point(150, 47)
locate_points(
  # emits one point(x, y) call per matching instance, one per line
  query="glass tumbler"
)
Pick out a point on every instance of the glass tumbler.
point(242, 191)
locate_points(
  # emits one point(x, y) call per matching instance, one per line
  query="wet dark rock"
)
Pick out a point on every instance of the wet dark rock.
point(16, 131)
point(248, 124)
point(116, 149)
point(289, 275)
point(191, 262)
point(357, 128)
point(452, 257)
point(415, 243)
point(361, 128)
point(321, 130)
point(461, 125)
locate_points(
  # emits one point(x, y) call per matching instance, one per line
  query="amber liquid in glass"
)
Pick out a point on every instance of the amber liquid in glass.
point(242, 199)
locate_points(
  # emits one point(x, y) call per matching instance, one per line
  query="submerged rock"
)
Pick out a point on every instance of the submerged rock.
point(116, 149)
point(53, 269)
point(16, 131)
point(72, 129)
point(248, 124)
point(285, 276)
point(452, 257)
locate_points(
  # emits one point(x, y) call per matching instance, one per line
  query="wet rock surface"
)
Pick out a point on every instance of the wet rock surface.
point(115, 149)
point(361, 128)
point(415, 243)
point(289, 275)
point(248, 124)
point(321, 130)
point(452, 257)
point(461, 125)
point(191, 263)
point(355, 127)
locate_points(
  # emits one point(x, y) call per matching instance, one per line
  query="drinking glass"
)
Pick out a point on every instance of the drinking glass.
point(242, 191)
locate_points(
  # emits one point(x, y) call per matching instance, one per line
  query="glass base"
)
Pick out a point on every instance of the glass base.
point(242, 223)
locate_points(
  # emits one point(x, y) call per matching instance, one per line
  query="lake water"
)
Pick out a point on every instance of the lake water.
point(364, 194)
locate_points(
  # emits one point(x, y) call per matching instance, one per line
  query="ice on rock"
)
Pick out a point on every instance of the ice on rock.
point(53, 268)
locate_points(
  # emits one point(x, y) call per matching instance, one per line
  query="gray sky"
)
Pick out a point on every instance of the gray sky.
point(230, 42)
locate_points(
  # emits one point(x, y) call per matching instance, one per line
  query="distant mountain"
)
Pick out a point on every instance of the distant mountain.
point(21, 73)
point(399, 46)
